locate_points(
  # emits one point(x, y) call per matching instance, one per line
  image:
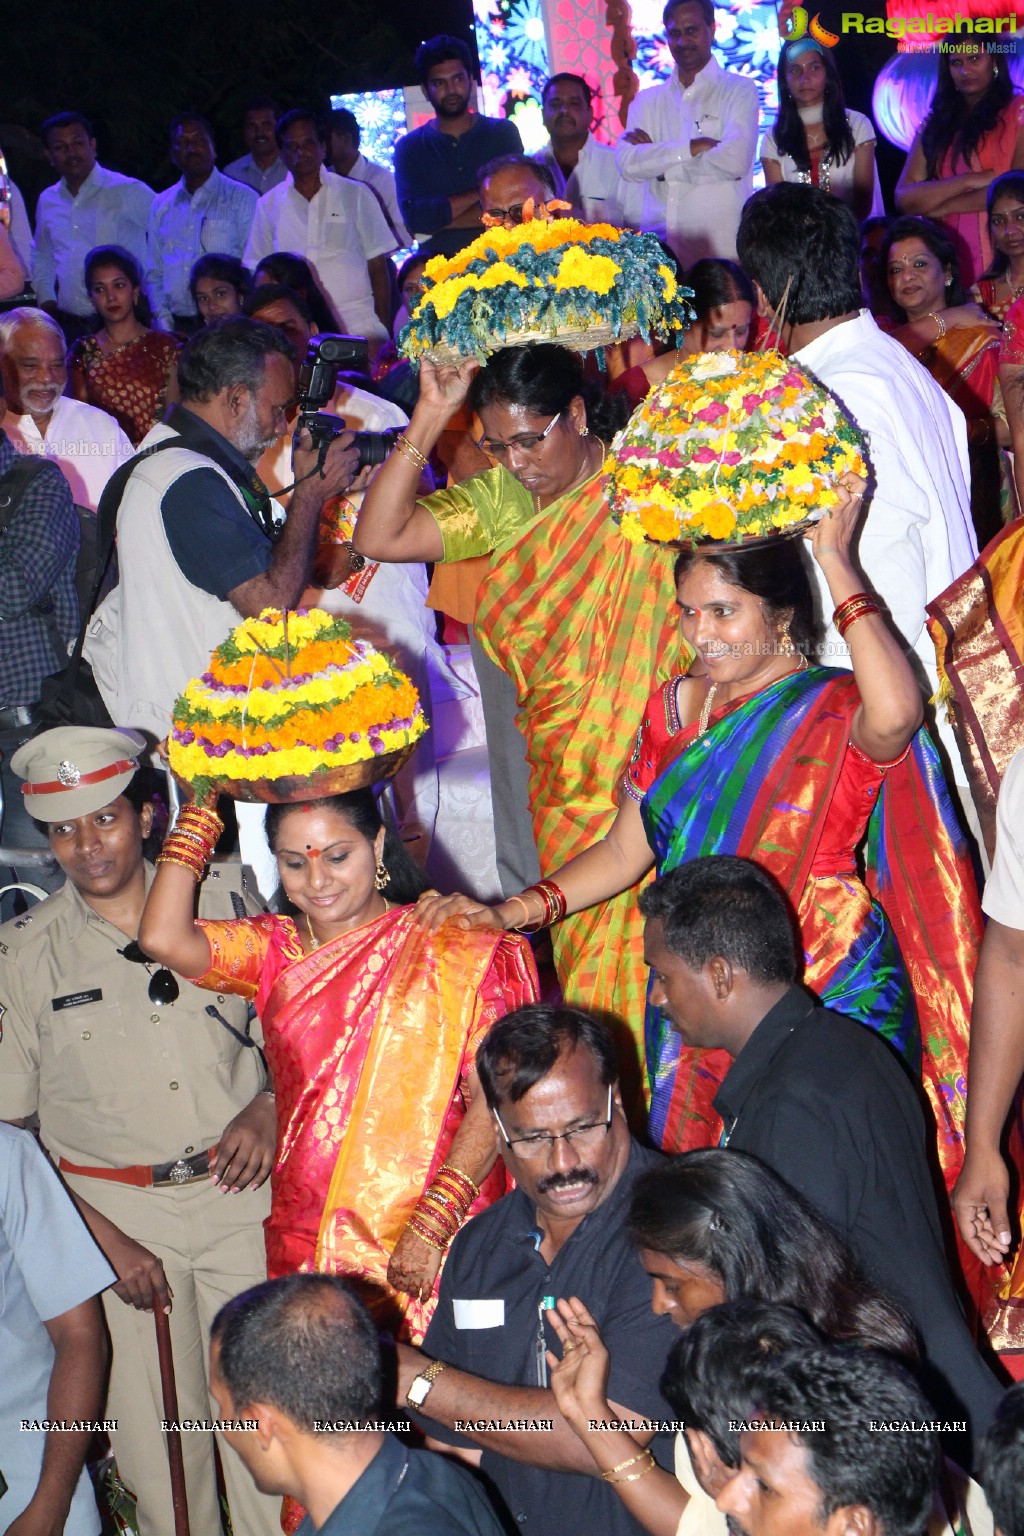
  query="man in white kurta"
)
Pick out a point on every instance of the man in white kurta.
point(917, 535)
point(86, 442)
point(691, 140)
point(335, 223)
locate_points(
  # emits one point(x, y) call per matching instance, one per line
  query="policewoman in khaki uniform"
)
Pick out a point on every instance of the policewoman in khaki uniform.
point(153, 1101)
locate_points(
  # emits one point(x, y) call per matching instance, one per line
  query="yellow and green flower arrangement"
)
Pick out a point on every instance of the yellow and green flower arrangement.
point(584, 285)
point(731, 446)
point(292, 705)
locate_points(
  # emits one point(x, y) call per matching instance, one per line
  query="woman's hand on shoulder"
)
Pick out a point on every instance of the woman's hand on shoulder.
point(433, 910)
point(969, 314)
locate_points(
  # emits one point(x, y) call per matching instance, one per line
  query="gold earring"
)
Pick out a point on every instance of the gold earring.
point(584, 431)
point(380, 876)
point(786, 646)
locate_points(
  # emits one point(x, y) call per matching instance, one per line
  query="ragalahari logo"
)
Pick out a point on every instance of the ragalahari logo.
point(795, 23)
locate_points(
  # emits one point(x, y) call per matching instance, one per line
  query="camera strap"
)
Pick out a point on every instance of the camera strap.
point(195, 434)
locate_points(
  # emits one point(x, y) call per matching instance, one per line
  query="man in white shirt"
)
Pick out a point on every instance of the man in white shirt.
point(336, 224)
point(585, 172)
point(203, 214)
point(691, 140)
point(89, 206)
point(917, 536)
point(86, 442)
point(345, 157)
point(20, 230)
point(262, 167)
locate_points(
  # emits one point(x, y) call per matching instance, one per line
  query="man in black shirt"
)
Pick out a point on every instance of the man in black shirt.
point(819, 1098)
point(551, 1081)
point(295, 1369)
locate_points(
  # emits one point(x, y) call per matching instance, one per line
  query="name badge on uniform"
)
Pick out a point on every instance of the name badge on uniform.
point(77, 999)
point(479, 1314)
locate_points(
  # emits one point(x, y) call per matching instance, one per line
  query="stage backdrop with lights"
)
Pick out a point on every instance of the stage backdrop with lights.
point(521, 42)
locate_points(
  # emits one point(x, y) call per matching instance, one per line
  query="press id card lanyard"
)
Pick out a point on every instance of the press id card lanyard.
point(545, 1304)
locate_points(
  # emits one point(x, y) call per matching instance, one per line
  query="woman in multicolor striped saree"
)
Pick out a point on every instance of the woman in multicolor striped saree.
point(791, 764)
point(581, 620)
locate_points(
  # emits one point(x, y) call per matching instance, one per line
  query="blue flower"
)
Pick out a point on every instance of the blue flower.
point(495, 55)
point(757, 37)
point(524, 33)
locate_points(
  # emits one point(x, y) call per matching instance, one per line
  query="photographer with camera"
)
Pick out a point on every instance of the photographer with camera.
point(197, 539)
point(385, 604)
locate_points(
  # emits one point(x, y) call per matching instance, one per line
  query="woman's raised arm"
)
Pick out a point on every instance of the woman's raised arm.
point(392, 525)
point(891, 707)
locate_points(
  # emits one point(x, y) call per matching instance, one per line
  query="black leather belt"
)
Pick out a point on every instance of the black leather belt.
point(14, 717)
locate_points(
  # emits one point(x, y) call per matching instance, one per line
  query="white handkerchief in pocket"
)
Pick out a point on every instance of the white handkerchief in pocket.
point(479, 1313)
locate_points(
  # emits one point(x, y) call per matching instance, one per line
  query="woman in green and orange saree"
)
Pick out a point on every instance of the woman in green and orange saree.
point(823, 777)
point(370, 1029)
point(581, 620)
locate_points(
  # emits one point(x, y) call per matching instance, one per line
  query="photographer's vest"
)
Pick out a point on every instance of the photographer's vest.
point(156, 631)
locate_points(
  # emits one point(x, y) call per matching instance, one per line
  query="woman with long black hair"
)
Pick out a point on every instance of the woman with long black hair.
point(973, 133)
point(816, 138)
point(124, 367)
point(712, 1227)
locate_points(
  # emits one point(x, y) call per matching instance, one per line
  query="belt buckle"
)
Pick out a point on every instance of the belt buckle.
point(180, 1172)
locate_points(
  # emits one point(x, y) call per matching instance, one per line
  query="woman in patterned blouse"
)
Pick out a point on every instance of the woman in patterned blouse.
point(124, 367)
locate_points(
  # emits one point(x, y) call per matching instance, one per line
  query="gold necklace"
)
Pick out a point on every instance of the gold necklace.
point(705, 714)
point(314, 942)
point(940, 324)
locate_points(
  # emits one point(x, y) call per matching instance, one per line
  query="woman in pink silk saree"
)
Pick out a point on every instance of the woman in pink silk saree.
point(370, 1028)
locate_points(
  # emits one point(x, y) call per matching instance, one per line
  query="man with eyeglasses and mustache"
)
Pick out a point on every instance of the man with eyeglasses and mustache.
point(480, 1384)
point(152, 1100)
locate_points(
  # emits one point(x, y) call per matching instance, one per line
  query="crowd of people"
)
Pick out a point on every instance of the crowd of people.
point(668, 1186)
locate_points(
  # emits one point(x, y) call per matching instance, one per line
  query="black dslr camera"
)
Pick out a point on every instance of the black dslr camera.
point(318, 379)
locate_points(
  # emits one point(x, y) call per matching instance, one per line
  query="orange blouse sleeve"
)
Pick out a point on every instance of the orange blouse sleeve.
point(239, 948)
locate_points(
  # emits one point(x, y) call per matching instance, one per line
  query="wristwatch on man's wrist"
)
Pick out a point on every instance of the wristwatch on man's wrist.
point(421, 1384)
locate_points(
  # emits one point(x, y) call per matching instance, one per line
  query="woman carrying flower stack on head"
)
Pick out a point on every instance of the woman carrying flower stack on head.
point(370, 1024)
point(762, 753)
point(581, 622)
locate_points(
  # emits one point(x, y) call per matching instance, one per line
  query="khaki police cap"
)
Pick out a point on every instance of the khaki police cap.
point(74, 770)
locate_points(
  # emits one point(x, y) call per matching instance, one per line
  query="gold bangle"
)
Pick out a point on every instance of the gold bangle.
point(403, 443)
point(527, 915)
point(633, 1477)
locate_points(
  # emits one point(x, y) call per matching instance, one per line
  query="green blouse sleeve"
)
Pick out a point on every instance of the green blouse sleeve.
point(479, 514)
